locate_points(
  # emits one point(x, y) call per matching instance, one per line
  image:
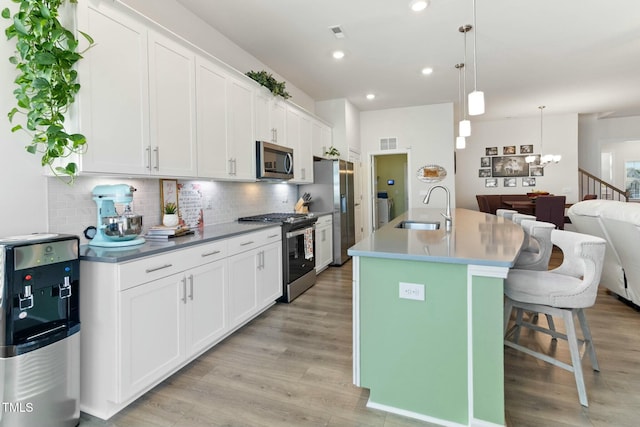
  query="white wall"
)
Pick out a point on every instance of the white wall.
point(23, 188)
point(560, 137)
point(173, 16)
point(425, 133)
point(594, 133)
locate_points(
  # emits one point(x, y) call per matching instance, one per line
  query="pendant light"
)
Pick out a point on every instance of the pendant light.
point(545, 159)
point(461, 141)
point(464, 126)
point(476, 98)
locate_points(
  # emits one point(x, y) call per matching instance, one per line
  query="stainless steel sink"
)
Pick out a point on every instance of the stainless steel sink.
point(419, 225)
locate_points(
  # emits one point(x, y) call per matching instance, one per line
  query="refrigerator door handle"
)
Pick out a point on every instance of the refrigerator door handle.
point(343, 203)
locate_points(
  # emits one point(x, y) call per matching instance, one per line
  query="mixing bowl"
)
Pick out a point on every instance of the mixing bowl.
point(120, 228)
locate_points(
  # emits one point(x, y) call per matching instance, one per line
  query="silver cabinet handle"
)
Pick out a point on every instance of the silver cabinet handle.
point(151, 270)
point(246, 243)
point(148, 158)
point(191, 287)
point(157, 151)
point(184, 290)
point(209, 254)
point(230, 161)
point(235, 166)
point(272, 236)
point(324, 235)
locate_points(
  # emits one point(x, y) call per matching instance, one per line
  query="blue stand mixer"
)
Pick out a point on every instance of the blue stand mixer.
point(113, 229)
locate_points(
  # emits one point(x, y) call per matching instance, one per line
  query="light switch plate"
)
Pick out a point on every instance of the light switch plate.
point(414, 291)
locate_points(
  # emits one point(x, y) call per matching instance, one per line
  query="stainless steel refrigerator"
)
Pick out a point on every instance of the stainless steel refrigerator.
point(332, 191)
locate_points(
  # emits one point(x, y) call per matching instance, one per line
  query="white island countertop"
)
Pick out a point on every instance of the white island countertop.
point(475, 238)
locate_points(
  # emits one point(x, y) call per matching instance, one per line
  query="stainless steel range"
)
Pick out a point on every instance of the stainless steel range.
point(298, 250)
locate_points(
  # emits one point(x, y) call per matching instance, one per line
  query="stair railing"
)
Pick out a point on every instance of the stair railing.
point(591, 184)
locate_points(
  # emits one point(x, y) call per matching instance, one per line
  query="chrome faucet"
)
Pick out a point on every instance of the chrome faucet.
point(448, 219)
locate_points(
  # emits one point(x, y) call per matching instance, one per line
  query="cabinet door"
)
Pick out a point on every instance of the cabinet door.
point(317, 149)
point(303, 161)
point(172, 106)
point(262, 124)
point(211, 85)
point(240, 140)
point(269, 286)
point(151, 332)
point(206, 318)
point(278, 121)
point(113, 102)
point(243, 269)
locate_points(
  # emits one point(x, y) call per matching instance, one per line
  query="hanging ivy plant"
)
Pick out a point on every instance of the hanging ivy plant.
point(46, 85)
point(268, 81)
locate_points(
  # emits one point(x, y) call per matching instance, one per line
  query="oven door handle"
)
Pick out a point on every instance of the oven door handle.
point(298, 232)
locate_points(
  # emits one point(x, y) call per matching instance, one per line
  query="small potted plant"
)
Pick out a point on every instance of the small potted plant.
point(332, 152)
point(170, 217)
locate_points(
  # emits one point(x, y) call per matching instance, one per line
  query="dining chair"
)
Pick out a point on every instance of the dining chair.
point(562, 292)
point(506, 213)
point(551, 209)
point(483, 203)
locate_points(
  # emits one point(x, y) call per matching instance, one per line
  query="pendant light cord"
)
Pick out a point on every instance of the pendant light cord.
point(475, 53)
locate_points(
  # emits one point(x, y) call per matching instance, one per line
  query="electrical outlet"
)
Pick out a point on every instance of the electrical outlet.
point(413, 291)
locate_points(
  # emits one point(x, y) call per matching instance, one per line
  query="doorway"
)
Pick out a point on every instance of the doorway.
point(390, 192)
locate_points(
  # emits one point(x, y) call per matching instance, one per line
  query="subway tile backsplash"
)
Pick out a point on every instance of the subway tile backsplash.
point(71, 209)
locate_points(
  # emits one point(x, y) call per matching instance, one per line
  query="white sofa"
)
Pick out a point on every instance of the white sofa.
point(619, 224)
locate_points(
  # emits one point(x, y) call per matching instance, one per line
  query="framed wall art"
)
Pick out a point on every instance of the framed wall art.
point(536, 171)
point(168, 193)
point(509, 150)
point(485, 162)
point(491, 182)
point(484, 173)
point(528, 182)
point(526, 149)
point(509, 166)
point(510, 182)
point(491, 151)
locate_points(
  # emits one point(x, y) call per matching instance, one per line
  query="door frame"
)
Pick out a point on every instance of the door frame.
point(372, 190)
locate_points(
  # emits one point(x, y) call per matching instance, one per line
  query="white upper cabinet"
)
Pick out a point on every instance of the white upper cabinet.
point(152, 104)
point(226, 148)
point(270, 117)
point(172, 106)
point(113, 101)
point(240, 140)
point(299, 138)
point(211, 83)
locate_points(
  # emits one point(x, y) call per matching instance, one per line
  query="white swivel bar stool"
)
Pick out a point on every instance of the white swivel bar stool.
point(506, 213)
point(562, 292)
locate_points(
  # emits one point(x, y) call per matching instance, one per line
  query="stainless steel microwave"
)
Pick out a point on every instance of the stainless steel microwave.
point(273, 161)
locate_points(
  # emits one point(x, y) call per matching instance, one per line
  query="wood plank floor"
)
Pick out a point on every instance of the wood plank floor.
point(291, 366)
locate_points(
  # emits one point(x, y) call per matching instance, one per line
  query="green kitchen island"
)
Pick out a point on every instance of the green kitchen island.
point(427, 316)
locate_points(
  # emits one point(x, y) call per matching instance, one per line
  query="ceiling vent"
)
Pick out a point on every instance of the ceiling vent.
point(388, 143)
point(337, 31)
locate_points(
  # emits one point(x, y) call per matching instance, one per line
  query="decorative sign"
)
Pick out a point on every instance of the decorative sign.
point(190, 197)
point(431, 173)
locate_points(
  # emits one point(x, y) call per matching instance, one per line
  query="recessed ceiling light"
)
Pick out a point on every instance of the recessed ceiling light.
point(419, 5)
point(338, 54)
point(427, 70)
point(371, 96)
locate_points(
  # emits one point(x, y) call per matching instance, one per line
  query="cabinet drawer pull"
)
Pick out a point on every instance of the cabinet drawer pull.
point(184, 289)
point(157, 151)
point(272, 236)
point(151, 270)
point(247, 243)
point(209, 253)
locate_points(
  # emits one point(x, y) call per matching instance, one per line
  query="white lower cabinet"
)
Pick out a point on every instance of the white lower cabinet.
point(144, 319)
point(255, 279)
point(152, 332)
point(324, 242)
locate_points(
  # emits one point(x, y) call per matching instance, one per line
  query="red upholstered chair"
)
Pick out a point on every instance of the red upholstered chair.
point(551, 209)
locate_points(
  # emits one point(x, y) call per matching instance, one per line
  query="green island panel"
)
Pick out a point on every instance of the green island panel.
point(414, 353)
